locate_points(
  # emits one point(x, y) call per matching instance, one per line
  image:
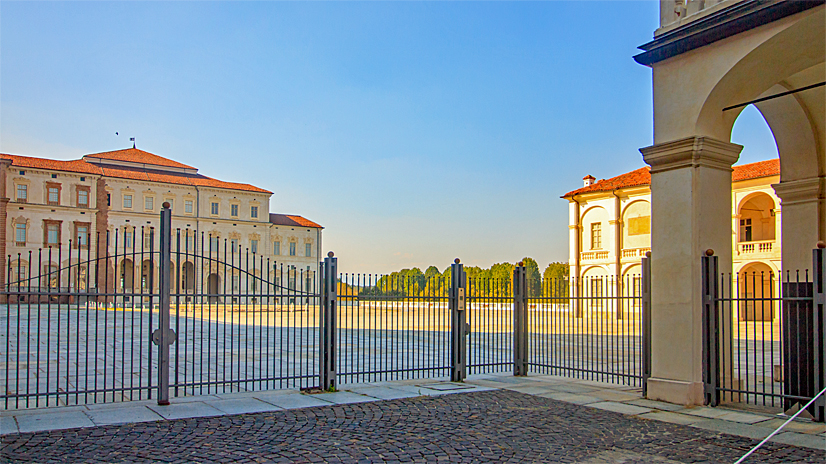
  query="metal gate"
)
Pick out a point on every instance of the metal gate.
point(763, 337)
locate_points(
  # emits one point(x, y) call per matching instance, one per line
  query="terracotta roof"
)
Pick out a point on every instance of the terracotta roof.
point(642, 176)
point(292, 220)
point(135, 155)
point(149, 175)
point(756, 170)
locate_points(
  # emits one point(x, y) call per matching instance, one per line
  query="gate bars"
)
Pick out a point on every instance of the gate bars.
point(763, 337)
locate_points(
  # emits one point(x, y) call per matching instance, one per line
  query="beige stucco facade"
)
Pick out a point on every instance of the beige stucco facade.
point(707, 58)
point(59, 213)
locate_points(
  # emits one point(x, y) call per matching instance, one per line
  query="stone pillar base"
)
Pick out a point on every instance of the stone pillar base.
point(675, 391)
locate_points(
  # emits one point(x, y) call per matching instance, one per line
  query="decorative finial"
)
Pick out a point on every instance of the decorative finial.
point(456, 260)
point(647, 254)
point(521, 264)
point(709, 252)
point(330, 254)
point(821, 244)
point(166, 205)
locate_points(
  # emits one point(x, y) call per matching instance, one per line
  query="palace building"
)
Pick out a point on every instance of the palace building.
point(58, 213)
point(610, 226)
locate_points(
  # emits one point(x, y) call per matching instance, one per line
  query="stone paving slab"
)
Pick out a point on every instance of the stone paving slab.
point(8, 425)
point(344, 397)
point(185, 410)
point(628, 409)
point(123, 415)
point(800, 439)
point(55, 421)
point(489, 426)
point(242, 405)
point(384, 393)
point(571, 398)
point(294, 401)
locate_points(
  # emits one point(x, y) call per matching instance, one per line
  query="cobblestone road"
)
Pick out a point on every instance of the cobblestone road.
point(492, 426)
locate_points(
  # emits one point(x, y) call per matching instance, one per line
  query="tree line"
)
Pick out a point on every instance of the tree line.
point(495, 281)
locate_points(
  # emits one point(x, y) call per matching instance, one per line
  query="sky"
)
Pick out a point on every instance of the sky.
point(414, 132)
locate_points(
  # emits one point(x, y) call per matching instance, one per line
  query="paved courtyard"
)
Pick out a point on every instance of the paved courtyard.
point(489, 419)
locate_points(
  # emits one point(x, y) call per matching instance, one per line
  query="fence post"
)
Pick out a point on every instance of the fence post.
point(646, 321)
point(520, 321)
point(819, 330)
point(458, 326)
point(328, 323)
point(164, 336)
point(711, 331)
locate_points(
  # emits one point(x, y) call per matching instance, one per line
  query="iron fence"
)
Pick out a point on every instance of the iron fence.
point(763, 337)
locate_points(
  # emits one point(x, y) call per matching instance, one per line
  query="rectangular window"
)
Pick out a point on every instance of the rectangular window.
point(54, 195)
point(189, 242)
point(214, 241)
point(292, 248)
point(596, 235)
point(253, 211)
point(149, 203)
point(276, 248)
point(254, 246)
point(20, 234)
point(83, 198)
point(127, 201)
point(147, 240)
point(52, 234)
point(745, 230)
point(128, 238)
point(233, 210)
point(308, 249)
point(23, 272)
point(214, 209)
point(81, 236)
point(22, 193)
point(188, 206)
point(108, 199)
point(233, 244)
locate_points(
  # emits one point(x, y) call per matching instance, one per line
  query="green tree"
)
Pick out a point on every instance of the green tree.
point(534, 279)
point(555, 279)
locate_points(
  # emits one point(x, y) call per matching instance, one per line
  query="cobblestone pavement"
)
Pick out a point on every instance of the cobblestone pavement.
point(488, 426)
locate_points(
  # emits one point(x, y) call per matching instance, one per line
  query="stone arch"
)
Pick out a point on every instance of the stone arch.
point(756, 218)
point(126, 275)
point(757, 287)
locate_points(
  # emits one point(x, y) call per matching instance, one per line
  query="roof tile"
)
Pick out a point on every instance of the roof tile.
point(642, 176)
point(292, 220)
point(135, 155)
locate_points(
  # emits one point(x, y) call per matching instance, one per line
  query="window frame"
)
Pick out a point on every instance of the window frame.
point(48, 224)
point(596, 235)
point(292, 248)
point(149, 203)
point(214, 208)
point(276, 247)
point(189, 206)
point(308, 250)
point(49, 187)
point(254, 212)
point(127, 196)
point(17, 229)
point(233, 209)
point(88, 191)
point(25, 197)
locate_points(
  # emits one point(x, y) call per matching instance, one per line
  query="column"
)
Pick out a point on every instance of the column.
point(690, 213)
point(802, 222)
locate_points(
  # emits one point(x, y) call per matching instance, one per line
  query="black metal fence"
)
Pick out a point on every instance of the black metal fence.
point(141, 313)
point(763, 337)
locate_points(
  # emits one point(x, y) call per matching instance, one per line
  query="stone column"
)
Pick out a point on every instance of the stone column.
point(690, 213)
point(802, 222)
point(4, 203)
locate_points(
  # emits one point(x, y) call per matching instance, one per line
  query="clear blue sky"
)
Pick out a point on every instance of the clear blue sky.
point(414, 132)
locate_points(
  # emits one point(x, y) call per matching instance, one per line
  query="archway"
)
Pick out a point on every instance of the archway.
point(757, 289)
point(213, 286)
point(127, 275)
point(188, 277)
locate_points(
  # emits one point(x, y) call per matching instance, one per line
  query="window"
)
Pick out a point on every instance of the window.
point(127, 201)
point(254, 246)
point(22, 272)
point(82, 198)
point(128, 238)
point(233, 210)
point(214, 208)
point(81, 235)
point(54, 195)
point(233, 244)
point(308, 249)
point(188, 206)
point(276, 248)
point(253, 211)
point(108, 199)
point(745, 230)
point(20, 234)
point(596, 235)
point(52, 234)
point(214, 241)
point(149, 203)
point(22, 193)
point(53, 276)
point(292, 248)
point(189, 241)
point(147, 240)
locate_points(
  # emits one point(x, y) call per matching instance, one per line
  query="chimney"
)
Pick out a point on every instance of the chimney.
point(589, 180)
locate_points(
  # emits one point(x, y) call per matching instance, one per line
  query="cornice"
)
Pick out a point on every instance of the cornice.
point(691, 152)
point(801, 191)
point(722, 24)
